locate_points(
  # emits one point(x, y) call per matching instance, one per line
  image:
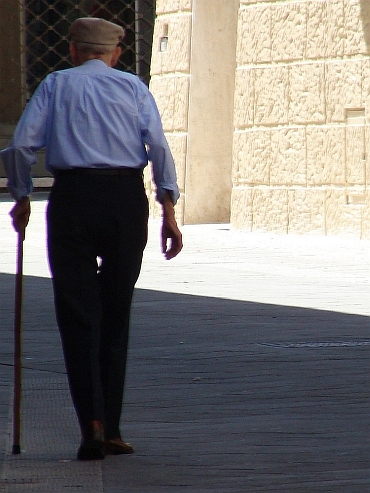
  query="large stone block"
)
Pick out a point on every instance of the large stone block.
point(176, 56)
point(325, 29)
point(343, 88)
point(306, 211)
point(288, 157)
point(244, 98)
point(248, 2)
point(241, 208)
point(181, 104)
point(177, 143)
point(325, 155)
point(172, 96)
point(355, 155)
point(356, 25)
point(307, 93)
point(342, 218)
point(270, 210)
point(367, 154)
point(365, 22)
point(163, 89)
point(252, 157)
point(365, 232)
point(288, 31)
point(365, 89)
point(254, 35)
point(180, 210)
point(271, 95)
point(166, 6)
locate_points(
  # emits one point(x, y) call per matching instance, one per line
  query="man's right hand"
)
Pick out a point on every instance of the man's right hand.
point(21, 215)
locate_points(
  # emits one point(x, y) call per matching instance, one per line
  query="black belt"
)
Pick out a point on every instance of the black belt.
point(99, 171)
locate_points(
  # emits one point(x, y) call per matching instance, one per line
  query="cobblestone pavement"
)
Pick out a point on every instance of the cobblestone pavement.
point(248, 369)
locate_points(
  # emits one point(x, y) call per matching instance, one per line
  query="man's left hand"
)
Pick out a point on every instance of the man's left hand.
point(21, 215)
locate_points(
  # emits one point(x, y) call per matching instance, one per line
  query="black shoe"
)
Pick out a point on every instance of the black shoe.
point(92, 442)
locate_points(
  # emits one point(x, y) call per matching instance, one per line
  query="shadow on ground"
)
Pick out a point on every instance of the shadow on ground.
point(222, 395)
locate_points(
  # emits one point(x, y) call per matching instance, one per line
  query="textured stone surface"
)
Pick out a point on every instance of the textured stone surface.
point(367, 156)
point(365, 82)
point(176, 58)
point(355, 155)
point(177, 143)
point(252, 157)
point(340, 217)
point(270, 210)
point(365, 232)
point(244, 98)
point(309, 109)
point(325, 29)
point(288, 31)
point(325, 155)
point(247, 2)
point(165, 6)
point(288, 158)
point(356, 16)
point(271, 100)
point(307, 98)
point(254, 39)
point(242, 208)
point(172, 94)
point(343, 88)
point(306, 213)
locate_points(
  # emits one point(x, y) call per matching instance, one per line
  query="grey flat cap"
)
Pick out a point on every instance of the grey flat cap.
point(93, 30)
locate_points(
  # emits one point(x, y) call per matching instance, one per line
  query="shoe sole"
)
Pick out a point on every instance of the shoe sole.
point(112, 449)
point(92, 450)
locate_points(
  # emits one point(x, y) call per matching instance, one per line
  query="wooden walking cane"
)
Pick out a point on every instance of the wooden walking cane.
point(18, 347)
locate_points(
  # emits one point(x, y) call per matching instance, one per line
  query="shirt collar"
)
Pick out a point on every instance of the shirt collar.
point(95, 62)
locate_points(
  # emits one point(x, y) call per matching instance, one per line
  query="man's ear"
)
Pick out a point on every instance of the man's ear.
point(115, 56)
point(72, 51)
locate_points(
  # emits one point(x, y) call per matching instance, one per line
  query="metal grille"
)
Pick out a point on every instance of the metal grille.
point(45, 25)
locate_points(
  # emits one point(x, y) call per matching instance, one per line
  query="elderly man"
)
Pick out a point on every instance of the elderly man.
point(100, 127)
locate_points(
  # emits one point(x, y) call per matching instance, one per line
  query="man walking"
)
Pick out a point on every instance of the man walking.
point(100, 127)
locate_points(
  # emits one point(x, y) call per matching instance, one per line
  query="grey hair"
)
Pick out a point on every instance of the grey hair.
point(94, 49)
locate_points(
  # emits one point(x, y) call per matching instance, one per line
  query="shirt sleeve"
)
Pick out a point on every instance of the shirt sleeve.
point(29, 136)
point(159, 153)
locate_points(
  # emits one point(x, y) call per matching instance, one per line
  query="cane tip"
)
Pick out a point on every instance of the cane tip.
point(16, 449)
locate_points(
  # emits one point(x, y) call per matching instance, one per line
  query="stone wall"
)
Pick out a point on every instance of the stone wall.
point(300, 152)
point(300, 98)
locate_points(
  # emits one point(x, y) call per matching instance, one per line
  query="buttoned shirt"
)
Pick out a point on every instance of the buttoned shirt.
point(90, 116)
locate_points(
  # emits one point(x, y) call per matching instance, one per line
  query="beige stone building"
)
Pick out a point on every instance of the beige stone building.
point(266, 106)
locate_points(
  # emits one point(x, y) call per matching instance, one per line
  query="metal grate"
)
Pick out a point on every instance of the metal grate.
point(45, 25)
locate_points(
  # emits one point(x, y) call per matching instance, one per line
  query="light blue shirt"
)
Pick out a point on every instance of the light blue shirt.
point(90, 116)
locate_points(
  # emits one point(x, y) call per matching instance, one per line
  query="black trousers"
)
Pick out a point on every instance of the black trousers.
point(93, 217)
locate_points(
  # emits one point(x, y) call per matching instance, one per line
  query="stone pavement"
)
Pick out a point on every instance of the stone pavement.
point(248, 369)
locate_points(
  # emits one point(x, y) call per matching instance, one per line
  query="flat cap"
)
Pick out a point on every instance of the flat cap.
point(93, 30)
